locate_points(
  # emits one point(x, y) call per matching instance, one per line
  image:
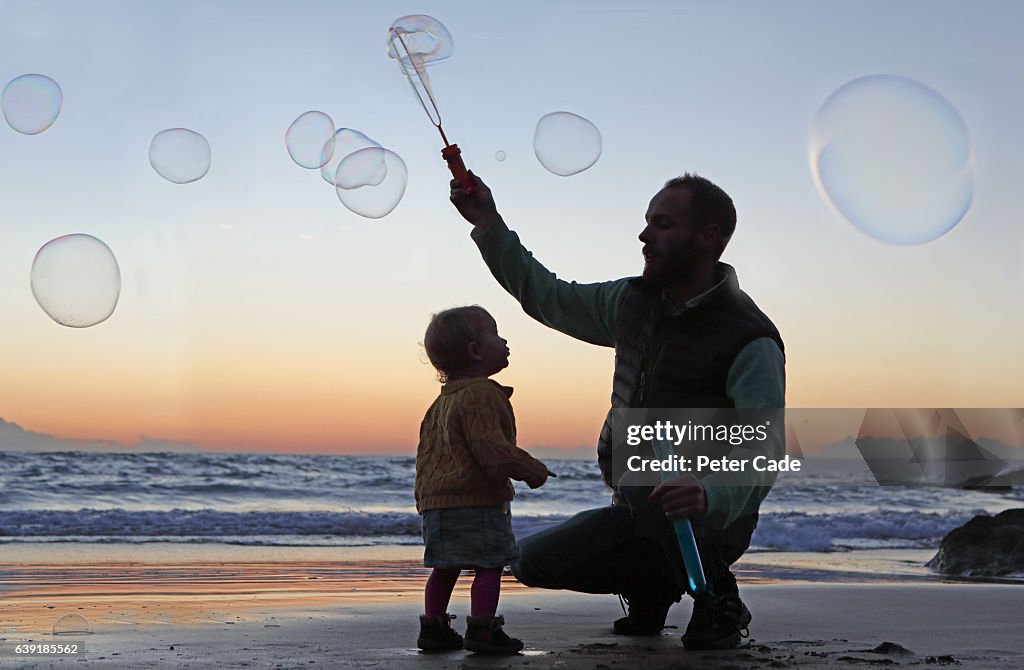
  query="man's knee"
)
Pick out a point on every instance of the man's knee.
point(730, 543)
point(552, 558)
point(529, 568)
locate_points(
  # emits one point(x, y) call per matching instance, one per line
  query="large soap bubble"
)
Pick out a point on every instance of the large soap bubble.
point(310, 139)
point(894, 158)
point(415, 42)
point(72, 624)
point(566, 143)
point(76, 280)
point(343, 143)
point(417, 39)
point(180, 155)
point(31, 103)
point(370, 200)
point(362, 168)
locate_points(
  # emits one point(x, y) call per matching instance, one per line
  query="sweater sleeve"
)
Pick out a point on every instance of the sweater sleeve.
point(490, 435)
point(583, 311)
point(757, 379)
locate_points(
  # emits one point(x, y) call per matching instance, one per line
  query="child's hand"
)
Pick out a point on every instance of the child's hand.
point(537, 483)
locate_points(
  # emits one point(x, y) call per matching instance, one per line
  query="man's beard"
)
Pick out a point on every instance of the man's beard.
point(674, 269)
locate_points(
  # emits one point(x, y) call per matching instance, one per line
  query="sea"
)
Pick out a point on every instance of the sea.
point(357, 501)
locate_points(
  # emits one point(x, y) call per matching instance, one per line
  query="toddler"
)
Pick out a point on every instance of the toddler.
point(466, 455)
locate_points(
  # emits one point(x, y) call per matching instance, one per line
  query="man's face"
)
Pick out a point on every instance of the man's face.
point(670, 238)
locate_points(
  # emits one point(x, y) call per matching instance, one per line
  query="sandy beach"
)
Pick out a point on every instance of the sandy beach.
point(288, 608)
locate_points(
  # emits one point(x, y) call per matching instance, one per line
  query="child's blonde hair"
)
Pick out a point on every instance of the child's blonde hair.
point(449, 334)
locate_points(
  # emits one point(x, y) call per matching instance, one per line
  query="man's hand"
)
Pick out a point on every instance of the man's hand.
point(477, 207)
point(682, 497)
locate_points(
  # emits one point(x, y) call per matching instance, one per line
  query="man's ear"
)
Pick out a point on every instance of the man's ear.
point(710, 237)
point(473, 349)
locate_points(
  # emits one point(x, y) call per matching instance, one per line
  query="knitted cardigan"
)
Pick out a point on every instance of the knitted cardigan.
point(467, 450)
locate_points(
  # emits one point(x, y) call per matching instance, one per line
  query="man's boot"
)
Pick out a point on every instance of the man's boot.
point(719, 619)
point(646, 615)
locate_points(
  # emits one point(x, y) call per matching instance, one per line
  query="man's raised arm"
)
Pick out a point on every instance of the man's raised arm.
point(584, 311)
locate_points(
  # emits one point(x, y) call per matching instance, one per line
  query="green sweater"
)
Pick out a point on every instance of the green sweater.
point(756, 379)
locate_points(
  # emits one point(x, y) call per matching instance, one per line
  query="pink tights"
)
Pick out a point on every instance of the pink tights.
point(484, 594)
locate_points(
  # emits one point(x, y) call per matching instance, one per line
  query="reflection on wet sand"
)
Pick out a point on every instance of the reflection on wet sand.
point(116, 593)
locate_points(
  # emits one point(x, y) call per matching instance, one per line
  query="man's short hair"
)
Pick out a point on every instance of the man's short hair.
point(711, 205)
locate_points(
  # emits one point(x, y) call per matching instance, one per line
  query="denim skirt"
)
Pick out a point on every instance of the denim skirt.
point(469, 537)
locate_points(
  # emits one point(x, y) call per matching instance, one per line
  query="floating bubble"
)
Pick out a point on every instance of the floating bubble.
point(362, 168)
point(374, 201)
point(310, 139)
point(180, 155)
point(31, 103)
point(565, 143)
point(417, 40)
point(894, 158)
point(343, 143)
point(76, 280)
point(500, 155)
point(72, 624)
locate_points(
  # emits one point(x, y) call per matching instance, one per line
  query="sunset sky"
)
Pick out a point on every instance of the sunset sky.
point(258, 313)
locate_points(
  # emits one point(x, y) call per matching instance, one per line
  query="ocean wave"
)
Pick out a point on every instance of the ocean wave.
point(788, 531)
point(180, 524)
point(797, 531)
point(202, 522)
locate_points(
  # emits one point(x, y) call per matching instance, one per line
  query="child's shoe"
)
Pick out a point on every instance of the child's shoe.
point(437, 634)
point(485, 636)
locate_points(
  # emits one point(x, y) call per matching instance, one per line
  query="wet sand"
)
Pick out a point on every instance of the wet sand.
point(292, 609)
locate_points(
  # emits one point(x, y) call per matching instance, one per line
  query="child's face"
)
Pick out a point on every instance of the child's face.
point(493, 350)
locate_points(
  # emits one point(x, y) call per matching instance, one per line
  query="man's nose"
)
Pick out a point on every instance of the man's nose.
point(643, 236)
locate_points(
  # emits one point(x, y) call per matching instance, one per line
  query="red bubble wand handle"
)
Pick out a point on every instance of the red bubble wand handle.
point(416, 73)
point(453, 155)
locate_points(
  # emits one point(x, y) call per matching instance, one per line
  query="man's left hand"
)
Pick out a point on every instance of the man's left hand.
point(682, 497)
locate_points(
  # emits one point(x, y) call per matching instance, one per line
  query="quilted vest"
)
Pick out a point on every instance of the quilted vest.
point(681, 361)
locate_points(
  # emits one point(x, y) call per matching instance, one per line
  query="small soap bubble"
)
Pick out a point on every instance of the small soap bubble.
point(310, 139)
point(180, 155)
point(342, 144)
point(375, 201)
point(894, 157)
point(72, 624)
point(566, 143)
point(500, 155)
point(31, 103)
point(76, 280)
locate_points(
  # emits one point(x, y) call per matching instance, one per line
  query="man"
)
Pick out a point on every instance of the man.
point(685, 336)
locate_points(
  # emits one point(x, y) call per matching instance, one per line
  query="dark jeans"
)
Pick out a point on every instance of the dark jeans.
point(617, 550)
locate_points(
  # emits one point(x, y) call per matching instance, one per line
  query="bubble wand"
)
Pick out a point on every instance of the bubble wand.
point(684, 532)
point(414, 69)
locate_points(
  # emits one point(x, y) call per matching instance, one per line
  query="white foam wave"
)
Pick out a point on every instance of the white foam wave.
point(796, 531)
